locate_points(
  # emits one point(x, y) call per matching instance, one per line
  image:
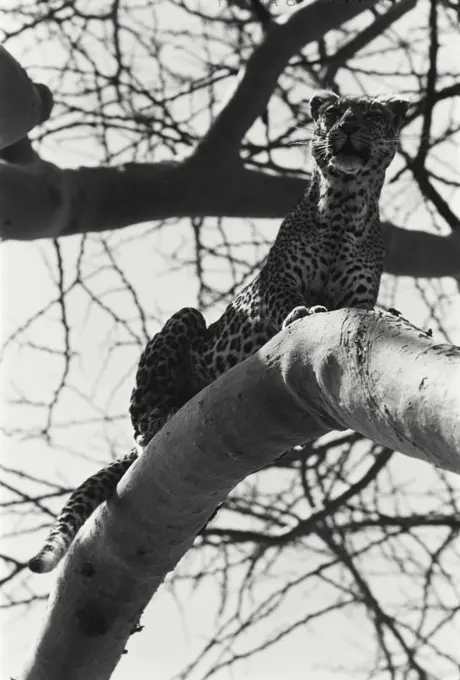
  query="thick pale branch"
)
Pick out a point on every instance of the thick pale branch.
point(364, 370)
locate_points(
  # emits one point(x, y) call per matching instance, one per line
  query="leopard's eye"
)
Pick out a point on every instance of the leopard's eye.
point(377, 116)
point(332, 113)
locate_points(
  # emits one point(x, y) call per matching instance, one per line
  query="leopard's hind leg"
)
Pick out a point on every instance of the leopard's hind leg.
point(163, 385)
point(165, 375)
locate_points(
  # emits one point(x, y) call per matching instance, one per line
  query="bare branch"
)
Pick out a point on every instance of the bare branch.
point(365, 37)
point(283, 40)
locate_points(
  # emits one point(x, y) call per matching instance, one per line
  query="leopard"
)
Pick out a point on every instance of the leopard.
point(328, 255)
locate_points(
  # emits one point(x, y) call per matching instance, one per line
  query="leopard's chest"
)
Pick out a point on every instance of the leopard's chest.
point(313, 259)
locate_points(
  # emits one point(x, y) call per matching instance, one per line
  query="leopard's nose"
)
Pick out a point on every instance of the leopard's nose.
point(349, 126)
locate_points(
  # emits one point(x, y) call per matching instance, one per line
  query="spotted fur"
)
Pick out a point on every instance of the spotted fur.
point(328, 254)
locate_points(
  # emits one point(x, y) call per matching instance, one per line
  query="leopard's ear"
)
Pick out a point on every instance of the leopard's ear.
point(399, 109)
point(320, 98)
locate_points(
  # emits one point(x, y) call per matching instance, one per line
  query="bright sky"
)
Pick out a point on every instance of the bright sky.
point(175, 627)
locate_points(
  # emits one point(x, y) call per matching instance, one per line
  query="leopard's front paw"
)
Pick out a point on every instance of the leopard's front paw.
point(299, 312)
point(296, 314)
point(317, 309)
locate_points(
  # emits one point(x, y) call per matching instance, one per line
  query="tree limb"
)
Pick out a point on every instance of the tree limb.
point(421, 254)
point(365, 37)
point(427, 189)
point(41, 201)
point(368, 371)
point(438, 96)
point(283, 39)
point(23, 104)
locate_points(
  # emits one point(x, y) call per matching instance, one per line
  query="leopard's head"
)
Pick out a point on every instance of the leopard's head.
point(355, 134)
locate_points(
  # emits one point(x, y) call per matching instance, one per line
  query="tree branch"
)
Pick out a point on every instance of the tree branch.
point(420, 254)
point(438, 96)
point(365, 37)
point(368, 371)
point(23, 104)
point(428, 190)
point(283, 39)
point(41, 201)
point(430, 90)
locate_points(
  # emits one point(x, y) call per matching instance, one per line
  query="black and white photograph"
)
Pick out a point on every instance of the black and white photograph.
point(230, 340)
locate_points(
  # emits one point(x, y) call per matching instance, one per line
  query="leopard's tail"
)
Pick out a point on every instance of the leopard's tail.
point(76, 511)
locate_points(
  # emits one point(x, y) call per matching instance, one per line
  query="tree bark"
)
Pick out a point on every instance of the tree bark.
point(368, 371)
